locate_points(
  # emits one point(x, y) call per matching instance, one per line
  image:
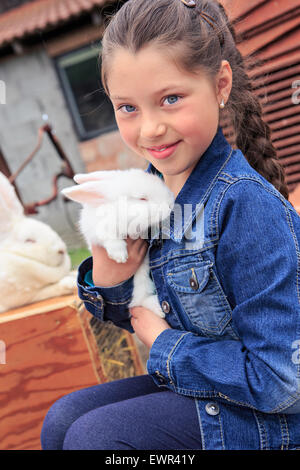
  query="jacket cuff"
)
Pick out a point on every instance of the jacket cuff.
point(160, 357)
point(96, 297)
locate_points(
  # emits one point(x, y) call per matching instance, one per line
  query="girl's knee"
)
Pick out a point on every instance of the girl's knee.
point(85, 434)
point(56, 423)
point(99, 429)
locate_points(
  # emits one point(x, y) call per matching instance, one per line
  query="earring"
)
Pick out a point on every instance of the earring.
point(222, 105)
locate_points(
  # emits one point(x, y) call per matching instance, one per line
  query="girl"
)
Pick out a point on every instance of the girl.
point(223, 367)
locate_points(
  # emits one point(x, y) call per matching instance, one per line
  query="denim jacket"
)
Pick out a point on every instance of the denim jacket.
point(227, 277)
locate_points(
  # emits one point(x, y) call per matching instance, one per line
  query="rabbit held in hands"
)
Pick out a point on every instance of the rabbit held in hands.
point(118, 204)
point(34, 263)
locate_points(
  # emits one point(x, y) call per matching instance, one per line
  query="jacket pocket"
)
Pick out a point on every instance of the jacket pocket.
point(201, 298)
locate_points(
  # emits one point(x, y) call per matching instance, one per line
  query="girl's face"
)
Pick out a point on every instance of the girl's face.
point(157, 104)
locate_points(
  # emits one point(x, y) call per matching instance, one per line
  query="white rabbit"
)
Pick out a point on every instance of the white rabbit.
point(34, 263)
point(118, 204)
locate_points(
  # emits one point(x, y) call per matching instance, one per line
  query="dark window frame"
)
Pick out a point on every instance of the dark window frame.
point(60, 61)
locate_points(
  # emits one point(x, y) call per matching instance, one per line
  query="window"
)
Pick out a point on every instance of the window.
point(91, 110)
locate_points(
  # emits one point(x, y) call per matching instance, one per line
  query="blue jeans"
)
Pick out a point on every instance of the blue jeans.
point(132, 413)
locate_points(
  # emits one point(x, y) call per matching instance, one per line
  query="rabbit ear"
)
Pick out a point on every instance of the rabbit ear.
point(10, 205)
point(85, 193)
point(95, 176)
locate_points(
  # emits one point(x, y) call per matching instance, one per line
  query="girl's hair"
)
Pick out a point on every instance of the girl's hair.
point(204, 43)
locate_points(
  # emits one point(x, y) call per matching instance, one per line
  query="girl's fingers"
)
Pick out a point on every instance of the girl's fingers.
point(144, 246)
point(138, 243)
point(135, 240)
point(141, 245)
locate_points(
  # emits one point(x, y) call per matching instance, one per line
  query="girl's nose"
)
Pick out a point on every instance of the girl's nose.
point(152, 129)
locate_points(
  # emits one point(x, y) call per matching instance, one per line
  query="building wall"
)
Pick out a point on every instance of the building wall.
point(33, 89)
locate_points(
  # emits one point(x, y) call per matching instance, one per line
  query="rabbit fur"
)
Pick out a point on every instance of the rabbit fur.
point(34, 263)
point(118, 204)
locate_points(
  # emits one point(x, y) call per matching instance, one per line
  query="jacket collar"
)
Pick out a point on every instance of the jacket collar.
point(196, 188)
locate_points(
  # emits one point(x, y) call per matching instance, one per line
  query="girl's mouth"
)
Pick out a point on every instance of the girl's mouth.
point(163, 152)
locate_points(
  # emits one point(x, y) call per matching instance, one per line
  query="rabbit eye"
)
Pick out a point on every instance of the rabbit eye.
point(140, 198)
point(30, 240)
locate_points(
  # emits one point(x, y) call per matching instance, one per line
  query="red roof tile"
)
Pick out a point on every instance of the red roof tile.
point(38, 15)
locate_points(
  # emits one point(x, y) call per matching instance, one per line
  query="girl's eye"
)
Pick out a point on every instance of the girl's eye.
point(129, 109)
point(172, 99)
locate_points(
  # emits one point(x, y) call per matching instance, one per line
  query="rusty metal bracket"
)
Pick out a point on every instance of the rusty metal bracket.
point(66, 168)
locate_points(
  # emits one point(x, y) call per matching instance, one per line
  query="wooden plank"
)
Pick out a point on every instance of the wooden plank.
point(39, 307)
point(238, 9)
point(283, 143)
point(285, 133)
point(288, 40)
point(292, 169)
point(290, 72)
point(263, 40)
point(46, 357)
point(282, 113)
point(277, 105)
point(52, 348)
point(294, 149)
point(282, 123)
point(273, 89)
point(293, 178)
point(288, 59)
point(265, 14)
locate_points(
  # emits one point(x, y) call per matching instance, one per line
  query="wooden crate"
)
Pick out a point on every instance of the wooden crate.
point(51, 349)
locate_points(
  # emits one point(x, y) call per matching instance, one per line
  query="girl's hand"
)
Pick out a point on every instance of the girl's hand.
point(147, 325)
point(107, 272)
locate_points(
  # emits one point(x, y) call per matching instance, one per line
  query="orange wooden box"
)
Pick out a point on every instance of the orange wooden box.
point(48, 350)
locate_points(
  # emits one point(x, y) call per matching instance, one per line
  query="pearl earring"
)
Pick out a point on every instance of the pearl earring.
point(222, 105)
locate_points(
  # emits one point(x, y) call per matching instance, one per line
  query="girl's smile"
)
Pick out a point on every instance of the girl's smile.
point(165, 114)
point(163, 151)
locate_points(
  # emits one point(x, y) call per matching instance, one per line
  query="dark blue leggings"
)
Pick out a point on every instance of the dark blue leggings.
point(131, 413)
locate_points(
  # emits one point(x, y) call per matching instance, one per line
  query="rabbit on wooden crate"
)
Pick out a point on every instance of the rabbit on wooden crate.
point(34, 262)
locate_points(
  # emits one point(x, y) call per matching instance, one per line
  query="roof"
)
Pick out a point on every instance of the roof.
point(39, 15)
point(268, 30)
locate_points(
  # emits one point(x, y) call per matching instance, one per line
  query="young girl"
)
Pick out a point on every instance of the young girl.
point(223, 367)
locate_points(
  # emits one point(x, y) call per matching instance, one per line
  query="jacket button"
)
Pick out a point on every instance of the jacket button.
point(212, 409)
point(165, 307)
point(161, 379)
point(194, 283)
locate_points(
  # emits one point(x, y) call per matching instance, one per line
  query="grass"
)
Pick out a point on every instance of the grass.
point(78, 255)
